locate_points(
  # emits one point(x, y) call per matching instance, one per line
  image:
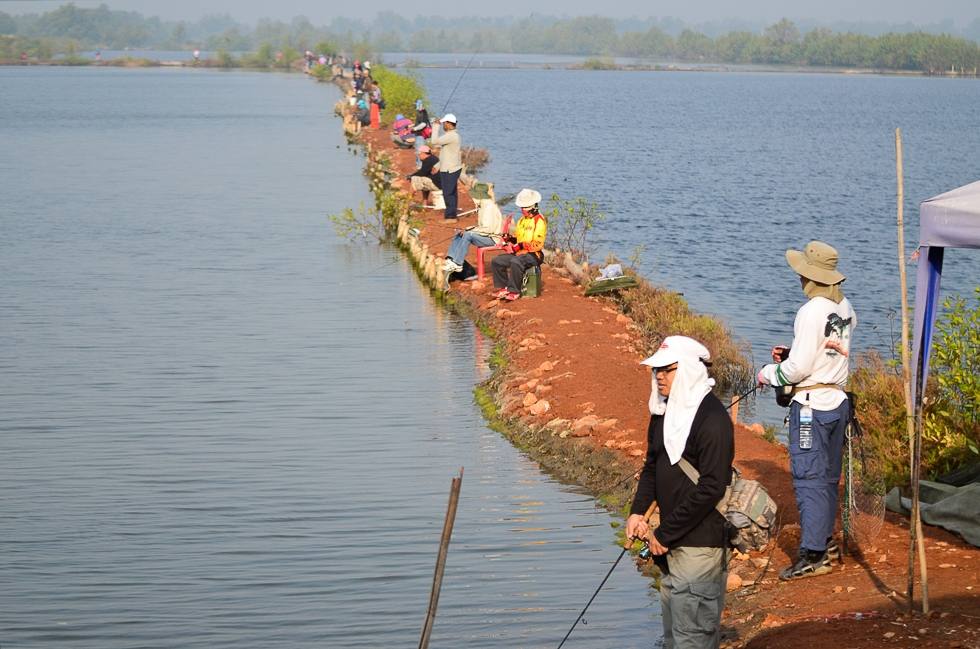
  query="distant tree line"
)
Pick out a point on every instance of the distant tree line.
point(782, 43)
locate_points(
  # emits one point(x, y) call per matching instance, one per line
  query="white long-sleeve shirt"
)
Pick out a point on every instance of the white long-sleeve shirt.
point(811, 361)
point(450, 159)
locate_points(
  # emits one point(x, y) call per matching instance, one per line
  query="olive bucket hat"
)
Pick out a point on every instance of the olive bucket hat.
point(817, 261)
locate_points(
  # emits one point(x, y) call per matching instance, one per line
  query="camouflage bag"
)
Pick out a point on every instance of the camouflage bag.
point(746, 505)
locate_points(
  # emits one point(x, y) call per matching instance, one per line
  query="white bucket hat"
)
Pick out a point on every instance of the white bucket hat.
point(527, 198)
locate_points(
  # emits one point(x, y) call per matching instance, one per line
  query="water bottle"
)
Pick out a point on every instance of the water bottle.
point(806, 428)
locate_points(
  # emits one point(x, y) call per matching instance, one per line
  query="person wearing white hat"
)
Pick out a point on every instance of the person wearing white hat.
point(525, 250)
point(450, 162)
point(688, 424)
point(814, 371)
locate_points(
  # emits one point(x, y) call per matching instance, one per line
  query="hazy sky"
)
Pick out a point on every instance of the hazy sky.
point(320, 11)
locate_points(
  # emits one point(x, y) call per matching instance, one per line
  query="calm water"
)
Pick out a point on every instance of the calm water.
point(716, 175)
point(219, 425)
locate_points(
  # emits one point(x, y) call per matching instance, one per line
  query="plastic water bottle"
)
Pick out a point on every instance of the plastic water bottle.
point(806, 428)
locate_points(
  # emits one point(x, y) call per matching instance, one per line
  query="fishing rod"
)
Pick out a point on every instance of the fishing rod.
point(646, 517)
point(636, 473)
point(458, 81)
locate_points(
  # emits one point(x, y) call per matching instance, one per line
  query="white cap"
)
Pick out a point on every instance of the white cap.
point(448, 117)
point(527, 198)
point(673, 348)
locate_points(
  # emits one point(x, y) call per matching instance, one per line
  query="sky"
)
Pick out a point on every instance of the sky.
point(961, 12)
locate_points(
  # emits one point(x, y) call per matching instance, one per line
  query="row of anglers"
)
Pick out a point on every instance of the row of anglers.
point(690, 439)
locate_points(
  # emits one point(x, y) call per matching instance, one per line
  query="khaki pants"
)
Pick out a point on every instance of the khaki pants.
point(423, 184)
point(692, 597)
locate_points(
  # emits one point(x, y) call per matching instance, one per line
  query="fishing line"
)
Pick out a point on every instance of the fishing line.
point(458, 81)
point(580, 615)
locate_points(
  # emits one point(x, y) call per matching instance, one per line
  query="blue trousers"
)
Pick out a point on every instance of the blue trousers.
point(816, 471)
point(462, 242)
point(449, 192)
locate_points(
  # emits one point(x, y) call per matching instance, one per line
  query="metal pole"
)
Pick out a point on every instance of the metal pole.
point(447, 533)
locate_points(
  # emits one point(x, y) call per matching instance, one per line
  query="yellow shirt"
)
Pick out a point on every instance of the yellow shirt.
point(531, 232)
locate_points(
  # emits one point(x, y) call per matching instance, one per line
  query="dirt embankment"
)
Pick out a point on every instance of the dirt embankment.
point(571, 393)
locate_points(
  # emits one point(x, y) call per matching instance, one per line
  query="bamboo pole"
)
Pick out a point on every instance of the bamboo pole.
point(447, 533)
point(912, 431)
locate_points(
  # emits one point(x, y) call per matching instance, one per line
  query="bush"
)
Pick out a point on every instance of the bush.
point(225, 60)
point(569, 224)
point(399, 91)
point(599, 64)
point(951, 426)
point(660, 313)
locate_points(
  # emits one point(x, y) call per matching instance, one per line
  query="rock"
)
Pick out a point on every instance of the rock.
point(562, 323)
point(758, 429)
point(851, 589)
point(838, 589)
point(889, 635)
point(503, 314)
point(534, 321)
point(543, 390)
point(610, 443)
point(529, 400)
point(546, 366)
point(947, 565)
point(527, 342)
point(883, 558)
point(604, 427)
point(587, 407)
point(759, 562)
point(636, 452)
point(923, 631)
point(734, 582)
point(623, 319)
point(739, 556)
point(540, 408)
point(557, 423)
point(584, 425)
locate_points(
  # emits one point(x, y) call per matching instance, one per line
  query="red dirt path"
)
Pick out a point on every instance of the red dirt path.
point(594, 351)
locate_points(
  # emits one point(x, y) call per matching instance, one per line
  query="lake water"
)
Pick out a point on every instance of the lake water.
point(716, 175)
point(222, 427)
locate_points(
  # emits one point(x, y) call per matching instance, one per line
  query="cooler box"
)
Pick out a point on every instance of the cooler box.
point(532, 282)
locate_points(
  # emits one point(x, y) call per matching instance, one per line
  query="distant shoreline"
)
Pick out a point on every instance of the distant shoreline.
point(582, 67)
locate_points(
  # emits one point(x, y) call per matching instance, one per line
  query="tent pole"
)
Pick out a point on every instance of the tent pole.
point(912, 431)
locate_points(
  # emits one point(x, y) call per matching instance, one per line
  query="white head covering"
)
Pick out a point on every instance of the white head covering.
point(691, 385)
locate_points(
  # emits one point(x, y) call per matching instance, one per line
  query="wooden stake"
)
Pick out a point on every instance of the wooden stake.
point(912, 431)
point(447, 533)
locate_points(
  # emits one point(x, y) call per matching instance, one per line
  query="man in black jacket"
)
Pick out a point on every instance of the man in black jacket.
point(688, 425)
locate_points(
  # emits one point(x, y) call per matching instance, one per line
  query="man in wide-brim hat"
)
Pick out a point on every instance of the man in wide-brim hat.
point(814, 370)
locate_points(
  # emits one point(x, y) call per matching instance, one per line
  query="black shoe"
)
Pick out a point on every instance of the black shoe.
point(810, 564)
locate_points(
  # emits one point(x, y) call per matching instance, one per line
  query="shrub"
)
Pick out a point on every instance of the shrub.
point(225, 60)
point(660, 313)
point(599, 64)
point(398, 90)
point(951, 426)
point(569, 224)
point(474, 158)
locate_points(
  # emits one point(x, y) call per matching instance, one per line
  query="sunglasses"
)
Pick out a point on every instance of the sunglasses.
point(665, 370)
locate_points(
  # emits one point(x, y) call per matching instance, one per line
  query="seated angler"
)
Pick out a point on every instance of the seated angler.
point(525, 250)
point(488, 231)
point(426, 177)
point(401, 132)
